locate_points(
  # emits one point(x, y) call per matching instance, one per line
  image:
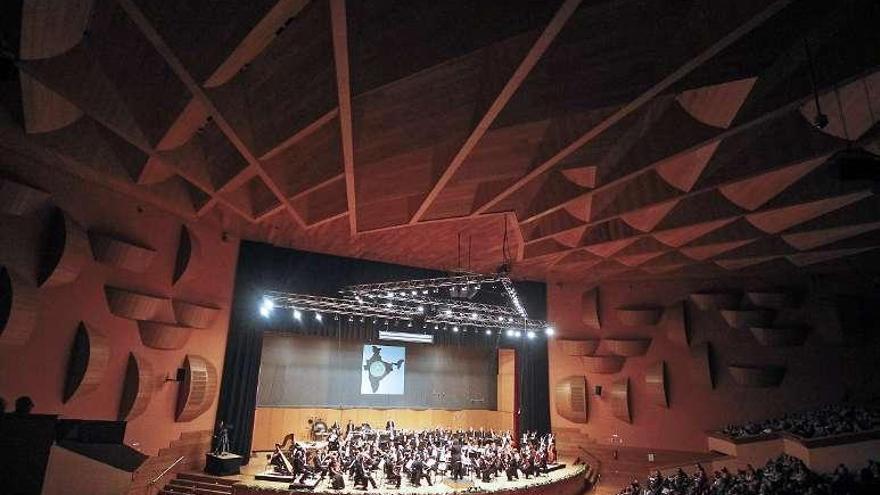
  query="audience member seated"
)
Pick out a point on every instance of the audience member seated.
point(826, 421)
point(784, 475)
point(23, 405)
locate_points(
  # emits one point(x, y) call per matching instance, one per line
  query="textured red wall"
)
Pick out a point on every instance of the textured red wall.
point(820, 371)
point(38, 368)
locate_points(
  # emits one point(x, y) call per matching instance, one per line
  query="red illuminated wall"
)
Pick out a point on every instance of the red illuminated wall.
point(38, 367)
point(823, 369)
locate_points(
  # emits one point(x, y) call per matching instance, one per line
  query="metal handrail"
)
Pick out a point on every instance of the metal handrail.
point(593, 458)
point(163, 473)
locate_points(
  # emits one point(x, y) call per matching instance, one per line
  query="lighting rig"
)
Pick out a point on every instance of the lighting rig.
point(434, 303)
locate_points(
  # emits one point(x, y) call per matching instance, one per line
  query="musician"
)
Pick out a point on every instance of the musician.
point(455, 459)
point(393, 470)
point(511, 467)
point(418, 471)
point(362, 471)
point(335, 470)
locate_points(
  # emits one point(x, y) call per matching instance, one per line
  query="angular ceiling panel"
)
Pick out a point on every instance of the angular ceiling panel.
point(805, 241)
point(753, 193)
point(718, 104)
point(683, 171)
point(778, 220)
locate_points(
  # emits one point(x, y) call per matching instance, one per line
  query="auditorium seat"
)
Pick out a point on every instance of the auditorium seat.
point(198, 484)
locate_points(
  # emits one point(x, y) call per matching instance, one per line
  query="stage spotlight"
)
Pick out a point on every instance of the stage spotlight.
point(473, 316)
point(297, 315)
point(268, 304)
point(455, 329)
point(500, 318)
point(550, 330)
point(409, 324)
point(436, 327)
point(350, 318)
point(488, 332)
point(264, 311)
point(509, 332)
point(517, 333)
point(421, 309)
point(531, 334)
point(318, 317)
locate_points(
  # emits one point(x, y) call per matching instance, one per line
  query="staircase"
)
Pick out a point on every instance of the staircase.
point(198, 484)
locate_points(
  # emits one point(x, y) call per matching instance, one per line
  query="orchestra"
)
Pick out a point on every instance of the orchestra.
point(360, 454)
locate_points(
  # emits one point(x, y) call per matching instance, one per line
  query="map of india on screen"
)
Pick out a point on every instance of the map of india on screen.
point(383, 370)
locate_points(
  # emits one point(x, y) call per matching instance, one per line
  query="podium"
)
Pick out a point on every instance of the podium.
point(222, 464)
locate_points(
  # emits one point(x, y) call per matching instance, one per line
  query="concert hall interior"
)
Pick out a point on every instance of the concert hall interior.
point(532, 247)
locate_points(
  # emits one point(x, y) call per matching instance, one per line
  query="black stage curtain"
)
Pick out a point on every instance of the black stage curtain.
point(263, 267)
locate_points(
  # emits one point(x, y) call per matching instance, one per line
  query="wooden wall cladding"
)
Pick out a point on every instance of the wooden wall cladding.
point(770, 299)
point(64, 252)
point(20, 199)
point(137, 388)
point(198, 390)
point(89, 356)
point(571, 398)
point(655, 382)
point(702, 366)
point(675, 320)
point(715, 300)
point(18, 308)
point(194, 315)
point(619, 394)
point(603, 364)
point(134, 305)
point(639, 316)
point(579, 347)
point(121, 253)
point(627, 347)
point(590, 308)
point(757, 376)
point(188, 253)
point(157, 335)
point(779, 337)
point(742, 319)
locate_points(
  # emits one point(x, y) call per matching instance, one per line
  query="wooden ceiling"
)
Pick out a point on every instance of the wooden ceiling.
point(602, 138)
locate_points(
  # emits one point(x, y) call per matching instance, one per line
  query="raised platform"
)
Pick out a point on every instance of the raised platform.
point(565, 481)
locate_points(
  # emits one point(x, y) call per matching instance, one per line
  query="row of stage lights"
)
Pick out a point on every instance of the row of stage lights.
point(268, 306)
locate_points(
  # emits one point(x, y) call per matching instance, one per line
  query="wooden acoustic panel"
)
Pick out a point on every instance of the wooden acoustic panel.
point(18, 308)
point(757, 376)
point(134, 305)
point(188, 254)
point(715, 300)
point(571, 398)
point(115, 251)
point(655, 382)
point(619, 394)
point(20, 199)
point(579, 347)
point(770, 299)
point(779, 337)
point(198, 390)
point(627, 347)
point(639, 316)
point(676, 323)
point(702, 366)
point(590, 308)
point(603, 364)
point(194, 315)
point(158, 335)
point(137, 388)
point(64, 252)
point(742, 319)
point(89, 356)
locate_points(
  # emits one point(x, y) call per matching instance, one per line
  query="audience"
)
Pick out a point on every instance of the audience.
point(784, 475)
point(23, 405)
point(826, 421)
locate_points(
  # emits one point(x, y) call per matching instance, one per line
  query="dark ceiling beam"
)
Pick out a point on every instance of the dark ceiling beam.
point(639, 101)
point(343, 86)
point(256, 41)
point(159, 44)
point(733, 131)
point(519, 75)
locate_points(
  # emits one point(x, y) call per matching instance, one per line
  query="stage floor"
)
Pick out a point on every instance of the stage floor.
point(441, 485)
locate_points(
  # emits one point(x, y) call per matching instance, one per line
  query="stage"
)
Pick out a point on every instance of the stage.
point(566, 481)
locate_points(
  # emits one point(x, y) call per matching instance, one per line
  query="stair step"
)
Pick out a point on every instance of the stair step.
point(211, 488)
point(205, 478)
